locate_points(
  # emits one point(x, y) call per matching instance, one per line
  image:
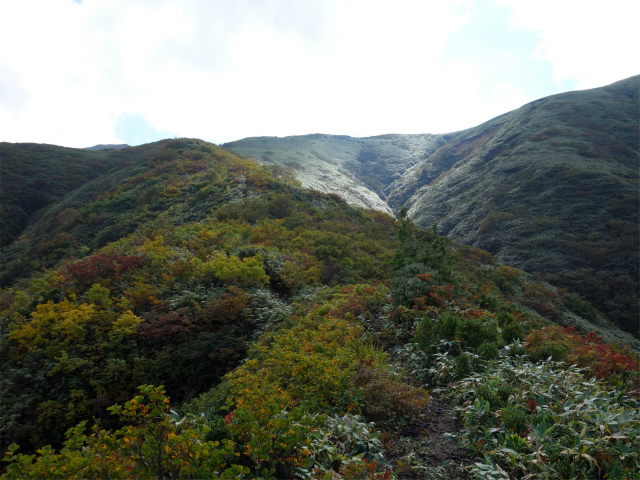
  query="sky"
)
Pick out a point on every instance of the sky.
point(82, 72)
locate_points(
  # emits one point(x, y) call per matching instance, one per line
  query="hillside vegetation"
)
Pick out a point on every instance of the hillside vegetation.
point(35, 176)
point(203, 316)
point(550, 188)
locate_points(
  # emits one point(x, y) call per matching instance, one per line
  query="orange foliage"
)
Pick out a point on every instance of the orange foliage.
point(602, 360)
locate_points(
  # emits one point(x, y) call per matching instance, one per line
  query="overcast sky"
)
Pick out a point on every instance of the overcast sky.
point(79, 73)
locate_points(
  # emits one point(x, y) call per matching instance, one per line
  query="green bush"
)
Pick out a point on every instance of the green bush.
point(514, 419)
point(512, 332)
point(504, 392)
point(492, 394)
point(462, 366)
point(447, 326)
point(581, 307)
point(472, 332)
point(430, 331)
point(219, 430)
point(488, 350)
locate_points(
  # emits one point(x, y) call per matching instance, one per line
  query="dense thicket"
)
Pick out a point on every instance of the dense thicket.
point(194, 293)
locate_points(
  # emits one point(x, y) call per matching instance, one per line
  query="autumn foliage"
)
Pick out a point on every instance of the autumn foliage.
point(603, 360)
point(289, 328)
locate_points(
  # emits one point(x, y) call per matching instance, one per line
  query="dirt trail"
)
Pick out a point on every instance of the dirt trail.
point(419, 451)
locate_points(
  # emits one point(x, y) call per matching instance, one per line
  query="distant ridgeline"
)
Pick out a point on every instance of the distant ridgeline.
point(119, 146)
point(271, 311)
point(550, 188)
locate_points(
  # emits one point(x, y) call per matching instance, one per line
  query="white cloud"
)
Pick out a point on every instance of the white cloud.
point(591, 41)
point(225, 70)
point(222, 70)
point(13, 97)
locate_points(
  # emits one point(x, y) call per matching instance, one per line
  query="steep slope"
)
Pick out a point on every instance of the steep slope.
point(551, 187)
point(193, 245)
point(44, 189)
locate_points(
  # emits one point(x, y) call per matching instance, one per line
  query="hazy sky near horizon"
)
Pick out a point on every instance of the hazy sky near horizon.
point(78, 73)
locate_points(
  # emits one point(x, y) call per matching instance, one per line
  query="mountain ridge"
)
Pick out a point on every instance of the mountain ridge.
point(114, 146)
point(551, 187)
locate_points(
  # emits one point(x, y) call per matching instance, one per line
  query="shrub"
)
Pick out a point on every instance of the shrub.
point(472, 332)
point(462, 366)
point(363, 302)
point(508, 279)
point(493, 394)
point(511, 332)
point(514, 419)
point(581, 307)
point(231, 270)
point(541, 347)
point(101, 266)
point(387, 400)
point(218, 429)
point(543, 300)
point(488, 350)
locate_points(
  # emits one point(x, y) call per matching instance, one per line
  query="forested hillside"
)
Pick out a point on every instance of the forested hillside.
point(193, 314)
point(35, 176)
